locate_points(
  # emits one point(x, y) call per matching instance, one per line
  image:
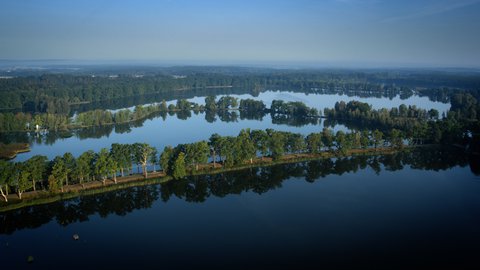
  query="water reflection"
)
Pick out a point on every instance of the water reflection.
point(159, 130)
point(315, 96)
point(198, 189)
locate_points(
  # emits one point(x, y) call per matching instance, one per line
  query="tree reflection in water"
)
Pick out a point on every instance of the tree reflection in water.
point(197, 189)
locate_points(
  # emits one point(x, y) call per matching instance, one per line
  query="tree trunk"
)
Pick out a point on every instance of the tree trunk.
point(214, 158)
point(33, 184)
point(144, 168)
point(104, 179)
point(19, 194)
point(3, 195)
point(196, 167)
point(251, 160)
point(115, 177)
point(121, 170)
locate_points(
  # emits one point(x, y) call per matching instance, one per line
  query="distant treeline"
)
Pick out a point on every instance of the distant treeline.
point(53, 93)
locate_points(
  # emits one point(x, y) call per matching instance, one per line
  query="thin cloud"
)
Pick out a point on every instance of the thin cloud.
point(432, 10)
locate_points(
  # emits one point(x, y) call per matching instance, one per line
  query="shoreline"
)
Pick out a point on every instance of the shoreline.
point(40, 197)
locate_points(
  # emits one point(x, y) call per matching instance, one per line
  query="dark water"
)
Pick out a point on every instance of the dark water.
point(411, 210)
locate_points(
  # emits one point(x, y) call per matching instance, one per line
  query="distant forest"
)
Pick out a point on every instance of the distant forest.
point(55, 93)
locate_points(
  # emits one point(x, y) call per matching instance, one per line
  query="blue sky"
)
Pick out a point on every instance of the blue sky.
point(436, 33)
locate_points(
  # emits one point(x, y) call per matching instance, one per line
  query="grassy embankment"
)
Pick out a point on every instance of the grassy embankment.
point(10, 151)
point(43, 197)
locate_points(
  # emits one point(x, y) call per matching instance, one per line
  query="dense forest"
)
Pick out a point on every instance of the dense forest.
point(54, 93)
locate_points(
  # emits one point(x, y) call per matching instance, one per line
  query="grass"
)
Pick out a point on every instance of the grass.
point(9, 151)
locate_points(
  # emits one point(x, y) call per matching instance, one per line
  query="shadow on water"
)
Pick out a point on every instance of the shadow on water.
point(198, 189)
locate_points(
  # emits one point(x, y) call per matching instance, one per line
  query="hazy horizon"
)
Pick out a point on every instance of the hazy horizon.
point(302, 33)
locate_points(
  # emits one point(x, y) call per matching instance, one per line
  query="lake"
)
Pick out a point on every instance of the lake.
point(409, 210)
point(174, 130)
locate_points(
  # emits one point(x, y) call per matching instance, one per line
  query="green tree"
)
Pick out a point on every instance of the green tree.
point(244, 147)
point(121, 154)
point(142, 152)
point(214, 144)
point(179, 170)
point(210, 104)
point(112, 167)
point(261, 140)
point(85, 164)
point(377, 137)
point(396, 138)
point(341, 141)
point(166, 159)
point(102, 165)
point(37, 166)
point(70, 163)
point(58, 173)
point(296, 143)
point(6, 171)
point(365, 139)
point(23, 182)
point(277, 145)
point(153, 158)
point(314, 143)
point(200, 153)
point(327, 138)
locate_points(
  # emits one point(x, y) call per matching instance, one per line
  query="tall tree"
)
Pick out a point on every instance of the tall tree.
point(214, 144)
point(22, 176)
point(120, 153)
point(166, 159)
point(70, 162)
point(179, 170)
point(102, 164)
point(153, 158)
point(85, 164)
point(142, 152)
point(244, 147)
point(260, 140)
point(200, 153)
point(396, 139)
point(327, 138)
point(277, 144)
point(6, 171)
point(37, 166)
point(365, 139)
point(58, 173)
point(377, 137)
point(314, 142)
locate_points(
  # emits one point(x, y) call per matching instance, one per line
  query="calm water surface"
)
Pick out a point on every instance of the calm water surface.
point(347, 213)
point(172, 130)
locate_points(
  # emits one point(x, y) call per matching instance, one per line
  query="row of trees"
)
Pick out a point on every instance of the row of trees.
point(65, 170)
point(249, 107)
point(199, 189)
point(177, 161)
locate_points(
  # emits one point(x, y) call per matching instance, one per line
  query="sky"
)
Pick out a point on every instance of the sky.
point(430, 33)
